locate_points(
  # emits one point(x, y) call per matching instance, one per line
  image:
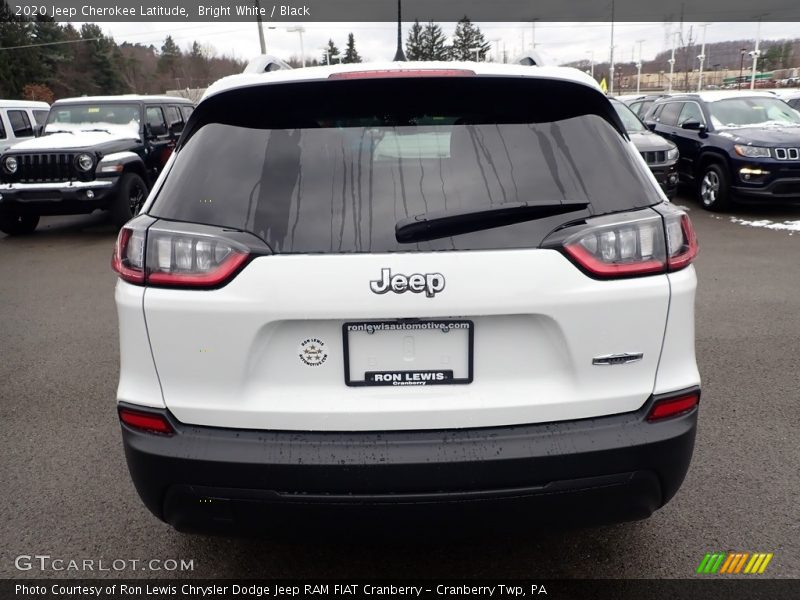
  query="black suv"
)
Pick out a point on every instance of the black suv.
point(733, 144)
point(642, 104)
point(93, 153)
point(660, 155)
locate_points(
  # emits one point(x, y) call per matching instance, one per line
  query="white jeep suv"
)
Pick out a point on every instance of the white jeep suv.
point(373, 289)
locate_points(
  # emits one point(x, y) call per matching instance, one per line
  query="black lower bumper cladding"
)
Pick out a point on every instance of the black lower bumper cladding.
point(576, 473)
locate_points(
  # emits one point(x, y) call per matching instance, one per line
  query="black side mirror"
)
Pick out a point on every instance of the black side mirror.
point(693, 126)
point(651, 126)
point(38, 130)
point(154, 131)
point(175, 129)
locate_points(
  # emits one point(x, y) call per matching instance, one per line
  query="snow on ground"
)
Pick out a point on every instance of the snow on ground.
point(790, 226)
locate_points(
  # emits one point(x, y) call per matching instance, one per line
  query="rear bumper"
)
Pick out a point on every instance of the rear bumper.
point(586, 472)
point(56, 198)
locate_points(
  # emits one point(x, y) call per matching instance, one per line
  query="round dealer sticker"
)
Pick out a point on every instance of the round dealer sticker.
point(313, 352)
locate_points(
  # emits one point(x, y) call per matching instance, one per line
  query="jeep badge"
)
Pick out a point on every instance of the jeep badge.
point(430, 283)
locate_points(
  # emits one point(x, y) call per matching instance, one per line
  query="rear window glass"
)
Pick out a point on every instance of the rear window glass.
point(341, 183)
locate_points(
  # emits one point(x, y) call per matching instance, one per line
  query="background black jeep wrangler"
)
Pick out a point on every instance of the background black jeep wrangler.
point(93, 153)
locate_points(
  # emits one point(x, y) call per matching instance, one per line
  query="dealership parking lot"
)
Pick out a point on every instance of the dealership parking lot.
point(66, 490)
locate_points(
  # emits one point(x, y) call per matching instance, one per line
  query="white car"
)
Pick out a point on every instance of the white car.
point(379, 288)
point(790, 96)
point(19, 120)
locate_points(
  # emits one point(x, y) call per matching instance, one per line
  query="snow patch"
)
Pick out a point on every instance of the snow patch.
point(790, 226)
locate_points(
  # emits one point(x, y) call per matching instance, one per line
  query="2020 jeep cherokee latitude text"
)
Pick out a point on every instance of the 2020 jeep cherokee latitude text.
point(406, 297)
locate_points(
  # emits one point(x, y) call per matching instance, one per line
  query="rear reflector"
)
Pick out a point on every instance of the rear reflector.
point(399, 73)
point(145, 421)
point(672, 407)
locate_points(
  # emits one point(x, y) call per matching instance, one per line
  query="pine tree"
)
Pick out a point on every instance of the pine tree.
point(104, 60)
point(467, 39)
point(170, 57)
point(330, 51)
point(350, 52)
point(414, 42)
point(434, 43)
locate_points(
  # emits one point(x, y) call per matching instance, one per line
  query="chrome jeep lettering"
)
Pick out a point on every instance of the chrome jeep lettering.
point(430, 283)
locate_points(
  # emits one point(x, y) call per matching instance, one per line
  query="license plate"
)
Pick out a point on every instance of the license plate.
point(408, 353)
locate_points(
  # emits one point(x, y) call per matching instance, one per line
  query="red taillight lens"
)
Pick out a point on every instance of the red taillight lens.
point(681, 241)
point(145, 421)
point(128, 258)
point(619, 245)
point(400, 73)
point(672, 407)
point(197, 257)
point(175, 259)
point(643, 242)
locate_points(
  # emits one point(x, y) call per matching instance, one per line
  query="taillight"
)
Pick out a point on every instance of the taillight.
point(681, 240)
point(178, 259)
point(643, 242)
point(146, 421)
point(179, 255)
point(619, 245)
point(400, 73)
point(674, 406)
point(128, 258)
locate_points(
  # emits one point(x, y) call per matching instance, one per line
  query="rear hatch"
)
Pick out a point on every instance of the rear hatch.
point(405, 259)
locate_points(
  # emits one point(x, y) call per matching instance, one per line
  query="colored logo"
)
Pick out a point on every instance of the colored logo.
point(313, 352)
point(729, 563)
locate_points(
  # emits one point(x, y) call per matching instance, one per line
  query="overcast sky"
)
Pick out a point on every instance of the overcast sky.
point(561, 42)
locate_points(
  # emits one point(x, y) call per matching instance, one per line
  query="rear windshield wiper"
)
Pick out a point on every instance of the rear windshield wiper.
point(434, 225)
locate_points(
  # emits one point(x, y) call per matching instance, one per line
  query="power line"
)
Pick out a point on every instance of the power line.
point(51, 43)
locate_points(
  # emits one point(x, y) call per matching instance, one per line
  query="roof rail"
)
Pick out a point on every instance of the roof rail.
point(265, 63)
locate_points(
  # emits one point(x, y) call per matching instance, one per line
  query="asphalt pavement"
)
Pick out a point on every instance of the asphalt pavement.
point(65, 490)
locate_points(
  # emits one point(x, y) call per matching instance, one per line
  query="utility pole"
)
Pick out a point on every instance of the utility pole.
point(702, 58)
point(300, 31)
point(260, 28)
point(496, 49)
point(755, 56)
point(611, 56)
point(639, 67)
point(591, 62)
point(399, 55)
point(671, 62)
point(743, 51)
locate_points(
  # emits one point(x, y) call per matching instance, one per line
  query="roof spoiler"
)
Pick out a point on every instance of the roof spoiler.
point(265, 63)
point(532, 58)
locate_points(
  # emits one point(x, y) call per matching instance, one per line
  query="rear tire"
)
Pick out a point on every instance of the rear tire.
point(713, 189)
point(18, 224)
point(129, 200)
